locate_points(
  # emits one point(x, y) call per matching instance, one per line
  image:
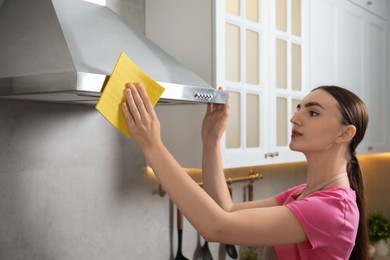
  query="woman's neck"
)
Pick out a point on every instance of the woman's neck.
point(321, 169)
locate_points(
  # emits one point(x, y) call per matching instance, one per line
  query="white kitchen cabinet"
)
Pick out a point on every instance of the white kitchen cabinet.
point(266, 82)
point(257, 50)
point(375, 82)
point(349, 48)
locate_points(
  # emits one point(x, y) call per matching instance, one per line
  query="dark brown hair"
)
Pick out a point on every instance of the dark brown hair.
point(354, 112)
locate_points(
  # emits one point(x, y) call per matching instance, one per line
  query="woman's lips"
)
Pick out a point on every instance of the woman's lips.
point(295, 133)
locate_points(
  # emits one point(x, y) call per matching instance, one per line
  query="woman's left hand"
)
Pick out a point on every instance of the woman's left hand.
point(141, 119)
point(214, 122)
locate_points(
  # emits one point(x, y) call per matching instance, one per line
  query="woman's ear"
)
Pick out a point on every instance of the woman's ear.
point(348, 132)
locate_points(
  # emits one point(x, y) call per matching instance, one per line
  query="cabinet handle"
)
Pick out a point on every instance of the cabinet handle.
point(272, 155)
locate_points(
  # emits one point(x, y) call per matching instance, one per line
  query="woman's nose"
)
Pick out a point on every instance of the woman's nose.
point(294, 119)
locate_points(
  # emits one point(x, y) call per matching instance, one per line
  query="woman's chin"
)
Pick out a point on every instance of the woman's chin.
point(294, 147)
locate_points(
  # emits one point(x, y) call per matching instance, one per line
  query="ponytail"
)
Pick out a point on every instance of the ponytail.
point(355, 177)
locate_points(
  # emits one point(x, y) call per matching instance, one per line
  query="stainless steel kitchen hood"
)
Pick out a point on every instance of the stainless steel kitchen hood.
point(65, 50)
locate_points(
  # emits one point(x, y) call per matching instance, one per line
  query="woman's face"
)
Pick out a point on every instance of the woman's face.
point(316, 123)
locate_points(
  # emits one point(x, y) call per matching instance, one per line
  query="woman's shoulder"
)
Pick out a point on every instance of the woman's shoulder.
point(335, 192)
point(337, 195)
point(336, 204)
point(289, 194)
point(334, 210)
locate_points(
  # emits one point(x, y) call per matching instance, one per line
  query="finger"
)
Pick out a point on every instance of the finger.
point(127, 115)
point(138, 97)
point(145, 99)
point(131, 104)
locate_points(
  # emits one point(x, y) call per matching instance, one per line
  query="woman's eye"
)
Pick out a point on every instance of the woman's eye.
point(313, 113)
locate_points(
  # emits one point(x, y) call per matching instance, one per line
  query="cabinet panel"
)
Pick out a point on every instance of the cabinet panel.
point(233, 7)
point(281, 15)
point(233, 56)
point(296, 66)
point(356, 60)
point(296, 17)
point(281, 64)
point(362, 54)
point(233, 129)
point(375, 85)
point(322, 42)
point(252, 10)
point(252, 121)
point(282, 120)
point(252, 57)
point(350, 48)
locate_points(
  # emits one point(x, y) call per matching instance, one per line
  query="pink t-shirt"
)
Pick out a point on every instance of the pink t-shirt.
point(330, 219)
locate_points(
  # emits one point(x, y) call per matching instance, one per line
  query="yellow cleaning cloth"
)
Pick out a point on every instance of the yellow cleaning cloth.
point(109, 104)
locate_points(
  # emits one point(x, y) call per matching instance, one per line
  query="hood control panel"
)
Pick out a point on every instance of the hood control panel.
point(199, 95)
point(191, 94)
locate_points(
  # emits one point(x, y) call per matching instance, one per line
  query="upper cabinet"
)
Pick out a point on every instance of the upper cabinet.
point(262, 63)
point(269, 55)
point(348, 47)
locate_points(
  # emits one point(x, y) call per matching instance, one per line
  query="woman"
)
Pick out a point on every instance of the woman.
point(318, 220)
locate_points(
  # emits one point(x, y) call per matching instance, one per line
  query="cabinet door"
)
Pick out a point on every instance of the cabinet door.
point(290, 81)
point(240, 67)
point(362, 67)
point(375, 71)
point(262, 64)
point(349, 48)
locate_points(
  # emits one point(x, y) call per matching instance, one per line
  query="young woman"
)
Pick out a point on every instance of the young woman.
point(322, 219)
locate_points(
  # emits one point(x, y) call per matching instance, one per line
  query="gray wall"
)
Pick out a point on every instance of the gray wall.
point(72, 187)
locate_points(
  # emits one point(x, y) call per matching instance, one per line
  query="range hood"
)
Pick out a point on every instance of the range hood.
point(65, 50)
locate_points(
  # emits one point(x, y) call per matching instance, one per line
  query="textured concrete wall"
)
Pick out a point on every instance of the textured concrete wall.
point(72, 187)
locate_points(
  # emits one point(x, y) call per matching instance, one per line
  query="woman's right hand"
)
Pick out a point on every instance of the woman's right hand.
point(214, 121)
point(140, 117)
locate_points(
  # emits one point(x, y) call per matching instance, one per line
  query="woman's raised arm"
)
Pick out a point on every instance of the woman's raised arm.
point(256, 226)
